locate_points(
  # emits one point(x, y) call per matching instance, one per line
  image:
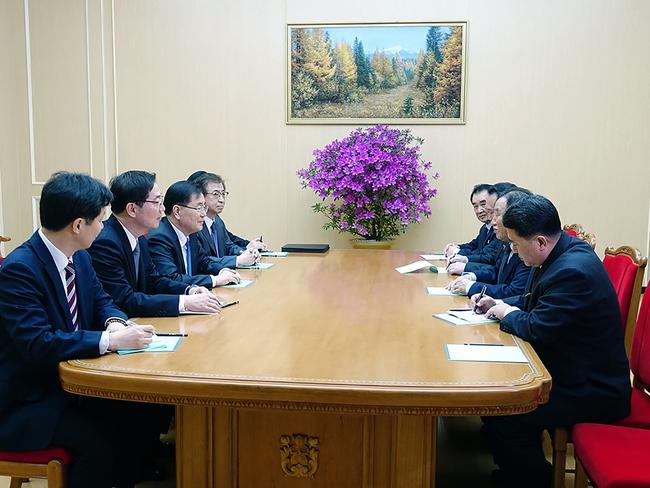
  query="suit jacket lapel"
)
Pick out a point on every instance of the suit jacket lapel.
point(171, 234)
point(221, 235)
point(126, 247)
point(44, 255)
point(208, 237)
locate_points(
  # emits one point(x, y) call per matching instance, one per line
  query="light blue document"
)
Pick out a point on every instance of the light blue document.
point(241, 284)
point(158, 344)
point(258, 266)
point(275, 254)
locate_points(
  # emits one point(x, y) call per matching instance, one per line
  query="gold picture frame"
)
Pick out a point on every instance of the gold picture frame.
point(363, 74)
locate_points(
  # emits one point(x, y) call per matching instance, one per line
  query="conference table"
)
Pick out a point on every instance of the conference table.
point(330, 372)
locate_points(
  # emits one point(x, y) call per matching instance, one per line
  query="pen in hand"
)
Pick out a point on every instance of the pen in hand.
point(482, 294)
point(171, 334)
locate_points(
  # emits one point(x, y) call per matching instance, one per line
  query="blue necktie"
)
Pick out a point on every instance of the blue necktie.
point(215, 239)
point(188, 255)
point(136, 259)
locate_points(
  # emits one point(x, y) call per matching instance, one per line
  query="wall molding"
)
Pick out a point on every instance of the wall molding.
point(30, 93)
point(116, 140)
point(35, 202)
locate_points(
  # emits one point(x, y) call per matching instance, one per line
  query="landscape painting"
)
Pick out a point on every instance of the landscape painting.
point(393, 73)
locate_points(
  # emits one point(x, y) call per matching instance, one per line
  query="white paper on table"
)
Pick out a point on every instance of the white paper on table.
point(275, 254)
point(441, 292)
point(471, 317)
point(496, 353)
point(241, 284)
point(456, 321)
point(413, 267)
point(257, 266)
point(434, 257)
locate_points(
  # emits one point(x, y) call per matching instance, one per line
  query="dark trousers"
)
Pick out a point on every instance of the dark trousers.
point(108, 440)
point(516, 440)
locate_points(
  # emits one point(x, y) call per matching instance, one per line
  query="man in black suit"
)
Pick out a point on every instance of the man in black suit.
point(174, 246)
point(570, 315)
point(509, 275)
point(121, 254)
point(216, 239)
point(52, 309)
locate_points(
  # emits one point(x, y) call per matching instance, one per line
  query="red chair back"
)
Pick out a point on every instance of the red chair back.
point(640, 357)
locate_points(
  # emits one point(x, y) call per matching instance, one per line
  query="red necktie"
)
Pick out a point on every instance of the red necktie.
point(71, 293)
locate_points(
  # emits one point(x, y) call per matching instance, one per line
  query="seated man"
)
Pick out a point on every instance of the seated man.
point(174, 247)
point(509, 275)
point(214, 237)
point(52, 309)
point(121, 254)
point(570, 315)
point(482, 199)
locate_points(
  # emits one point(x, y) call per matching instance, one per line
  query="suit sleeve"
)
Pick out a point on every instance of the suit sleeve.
point(237, 241)
point(162, 255)
point(468, 247)
point(218, 263)
point(563, 302)
point(488, 254)
point(24, 299)
point(109, 263)
point(514, 287)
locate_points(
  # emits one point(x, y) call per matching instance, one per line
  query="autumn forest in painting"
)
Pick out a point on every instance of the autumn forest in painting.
point(333, 74)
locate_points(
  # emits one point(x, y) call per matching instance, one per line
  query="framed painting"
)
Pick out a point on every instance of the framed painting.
point(406, 73)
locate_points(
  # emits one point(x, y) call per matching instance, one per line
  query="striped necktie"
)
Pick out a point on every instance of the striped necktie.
point(215, 238)
point(71, 293)
point(136, 259)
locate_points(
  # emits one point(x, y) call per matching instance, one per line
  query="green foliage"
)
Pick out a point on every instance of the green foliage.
point(407, 108)
point(303, 91)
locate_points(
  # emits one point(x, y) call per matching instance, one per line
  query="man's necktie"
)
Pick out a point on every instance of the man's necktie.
point(71, 293)
point(188, 257)
point(136, 259)
point(215, 238)
point(505, 257)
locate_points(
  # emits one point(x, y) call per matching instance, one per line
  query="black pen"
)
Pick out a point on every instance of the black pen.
point(170, 334)
point(478, 344)
point(227, 304)
point(482, 294)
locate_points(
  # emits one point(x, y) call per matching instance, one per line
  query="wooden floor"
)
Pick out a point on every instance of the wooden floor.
point(463, 459)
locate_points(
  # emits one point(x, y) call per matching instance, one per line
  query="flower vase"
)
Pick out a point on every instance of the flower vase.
point(370, 244)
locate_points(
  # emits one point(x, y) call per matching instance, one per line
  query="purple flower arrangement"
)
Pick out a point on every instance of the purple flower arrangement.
point(375, 181)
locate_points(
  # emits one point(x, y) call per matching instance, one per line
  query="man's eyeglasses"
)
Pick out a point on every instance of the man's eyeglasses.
point(217, 193)
point(155, 202)
point(203, 208)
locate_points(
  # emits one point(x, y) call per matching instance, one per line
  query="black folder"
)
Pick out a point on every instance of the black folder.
point(319, 248)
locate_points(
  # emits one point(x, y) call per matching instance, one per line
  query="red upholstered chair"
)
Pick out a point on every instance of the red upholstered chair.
point(617, 455)
point(576, 230)
point(46, 463)
point(611, 456)
point(625, 267)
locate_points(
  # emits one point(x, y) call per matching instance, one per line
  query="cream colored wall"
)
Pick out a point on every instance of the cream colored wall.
point(557, 101)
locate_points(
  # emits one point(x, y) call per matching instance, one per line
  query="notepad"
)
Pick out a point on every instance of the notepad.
point(158, 344)
point(470, 316)
point(434, 257)
point(241, 284)
point(275, 254)
point(413, 267)
point(189, 312)
point(257, 266)
point(440, 291)
point(485, 353)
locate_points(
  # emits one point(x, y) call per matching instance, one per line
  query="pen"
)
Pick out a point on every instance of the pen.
point(170, 334)
point(466, 309)
point(227, 304)
point(477, 344)
point(479, 298)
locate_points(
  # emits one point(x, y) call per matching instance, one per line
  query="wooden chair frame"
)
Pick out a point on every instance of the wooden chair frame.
point(54, 472)
point(588, 237)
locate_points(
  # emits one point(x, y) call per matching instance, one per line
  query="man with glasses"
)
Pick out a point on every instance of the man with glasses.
point(224, 247)
point(122, 260)
point(175, 250)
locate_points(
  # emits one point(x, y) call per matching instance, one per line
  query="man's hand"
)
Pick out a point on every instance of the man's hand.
point(248, 257)
point(456, 268)
point(198, 289)
point(459, 285)
point(133, 337)
point(257, 245)
point(451, 249)
point(458, 259)
point(202, 302)
point(227, 276)
point(484, 304)
point(497, 311)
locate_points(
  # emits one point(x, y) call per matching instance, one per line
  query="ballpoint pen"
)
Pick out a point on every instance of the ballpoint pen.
point(480, 344)
point(479, 298)
point(171, 334)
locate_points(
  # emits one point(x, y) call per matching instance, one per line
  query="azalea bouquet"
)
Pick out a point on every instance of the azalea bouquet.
point(375, 181)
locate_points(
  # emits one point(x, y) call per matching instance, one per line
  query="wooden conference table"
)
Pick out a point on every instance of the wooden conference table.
point(329, 373)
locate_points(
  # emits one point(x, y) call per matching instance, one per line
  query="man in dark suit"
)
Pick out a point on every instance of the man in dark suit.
point(52, 309)
point(216, 239)
point(509, 275)
point(570, 315)
point(121, 254)
point(174, 246)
